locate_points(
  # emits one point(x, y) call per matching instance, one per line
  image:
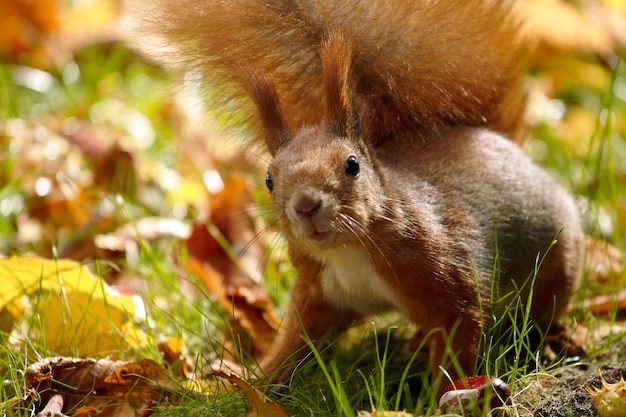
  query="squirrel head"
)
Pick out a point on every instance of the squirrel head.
point(323, 179)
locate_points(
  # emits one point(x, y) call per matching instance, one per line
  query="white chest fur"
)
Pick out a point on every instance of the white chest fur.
point(349, 281)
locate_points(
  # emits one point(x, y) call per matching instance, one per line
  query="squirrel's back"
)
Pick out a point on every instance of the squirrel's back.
point(418, 64)
point(495, 202)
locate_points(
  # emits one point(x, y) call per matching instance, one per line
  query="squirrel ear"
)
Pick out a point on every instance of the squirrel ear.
point(341, 115)
point(263, 93)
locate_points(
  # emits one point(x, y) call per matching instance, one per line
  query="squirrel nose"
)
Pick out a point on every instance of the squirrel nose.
point(306, 204)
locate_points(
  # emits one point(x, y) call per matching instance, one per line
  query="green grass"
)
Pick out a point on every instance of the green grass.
point(371, 366)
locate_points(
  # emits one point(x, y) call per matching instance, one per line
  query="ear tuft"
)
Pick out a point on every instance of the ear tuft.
point(263, 93)
point(341, 116)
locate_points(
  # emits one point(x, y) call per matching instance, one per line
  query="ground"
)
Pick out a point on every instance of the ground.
point(563, 392)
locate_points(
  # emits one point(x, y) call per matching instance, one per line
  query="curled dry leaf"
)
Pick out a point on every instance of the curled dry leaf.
point(45, 32)
point(103, 387)
point(68, 206)
point(229, 240)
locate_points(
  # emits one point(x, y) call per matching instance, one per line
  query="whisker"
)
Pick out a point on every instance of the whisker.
point(370, 238)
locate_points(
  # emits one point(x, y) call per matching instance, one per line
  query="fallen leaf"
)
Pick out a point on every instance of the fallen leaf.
point(126, 238)
point(605, 262)
point(25, 25)
point(89, 387)
point(225, 255)
point(174, 352)
point(63, 205)
point(261, 405)
point(604, 304)
point(77, 310)
point(607, 272)
point(229, 239)
point(253, 324)
point(53, 407)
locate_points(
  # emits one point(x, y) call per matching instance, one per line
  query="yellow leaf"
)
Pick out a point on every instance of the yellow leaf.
point(188, 191)
point(77, 312)
point(9, 314)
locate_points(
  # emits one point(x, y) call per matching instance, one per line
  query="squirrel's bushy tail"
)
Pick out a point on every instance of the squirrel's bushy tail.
point(417, 63)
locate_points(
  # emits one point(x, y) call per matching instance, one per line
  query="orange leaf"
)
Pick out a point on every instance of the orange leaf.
point(261, 405)
point(606, 268)
point(174, 353)
point(25, 23)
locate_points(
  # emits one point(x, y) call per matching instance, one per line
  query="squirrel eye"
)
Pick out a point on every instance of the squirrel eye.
point(352, 166)
point(269, 182)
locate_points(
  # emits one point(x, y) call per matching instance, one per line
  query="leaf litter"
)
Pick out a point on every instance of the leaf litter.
point(68, 384)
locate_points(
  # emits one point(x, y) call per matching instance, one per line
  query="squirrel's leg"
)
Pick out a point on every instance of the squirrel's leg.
point(452, 357)
point(452, 340)
point(309, 316)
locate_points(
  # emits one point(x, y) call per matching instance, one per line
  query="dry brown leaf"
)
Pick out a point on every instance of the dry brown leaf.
point(86, 412)
point(53, 407)
point(64, 206)
point(605, 262)
point(606, 267)
point(260, 405)
point(98, 387)
point(117, 173)
point(605, 304)
point(253, 316)
point(114, 167)
point(253, 323)
point(232, 217)
point(45, 32)
point(234, 285)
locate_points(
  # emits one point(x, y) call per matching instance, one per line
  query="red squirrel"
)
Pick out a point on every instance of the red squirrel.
point(391, 177)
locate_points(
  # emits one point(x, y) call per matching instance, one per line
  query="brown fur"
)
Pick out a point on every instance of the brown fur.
point(420, 63)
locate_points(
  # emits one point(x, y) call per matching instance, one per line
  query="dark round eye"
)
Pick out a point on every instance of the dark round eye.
point(352, 166)
point(269, 182)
